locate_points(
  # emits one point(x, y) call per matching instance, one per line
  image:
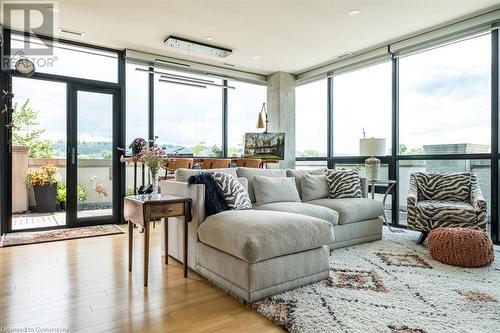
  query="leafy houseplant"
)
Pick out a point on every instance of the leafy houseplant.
point(43, 181)
point(81, 194)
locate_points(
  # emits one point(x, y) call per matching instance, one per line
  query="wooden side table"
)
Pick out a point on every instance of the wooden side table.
point(140, 209)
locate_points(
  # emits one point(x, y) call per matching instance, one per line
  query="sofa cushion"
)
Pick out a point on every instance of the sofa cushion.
point(272, 189)
point(446, 186)
point(303, 208)
point(352, 209)
point(298, 174)
point(256, 235)
point(344, 184)
point(182, 175)
point(314, 187)
point(235, 194)
point(250, 173)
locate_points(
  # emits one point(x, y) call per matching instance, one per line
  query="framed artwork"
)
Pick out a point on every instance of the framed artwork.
point(266, 146)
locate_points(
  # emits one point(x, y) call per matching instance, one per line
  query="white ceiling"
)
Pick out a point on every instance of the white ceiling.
point(287, 35)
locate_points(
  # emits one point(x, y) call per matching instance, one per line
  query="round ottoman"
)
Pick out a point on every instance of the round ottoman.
point(461, 247)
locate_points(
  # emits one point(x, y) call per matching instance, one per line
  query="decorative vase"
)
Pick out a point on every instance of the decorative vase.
point(46, 198)
point(154, 182)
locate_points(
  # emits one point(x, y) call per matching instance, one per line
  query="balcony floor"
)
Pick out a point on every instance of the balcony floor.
point(45, 220)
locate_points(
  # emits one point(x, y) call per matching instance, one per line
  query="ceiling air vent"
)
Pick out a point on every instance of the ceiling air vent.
point(191, 47)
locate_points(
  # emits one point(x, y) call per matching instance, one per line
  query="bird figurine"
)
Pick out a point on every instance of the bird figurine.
point(99, 188)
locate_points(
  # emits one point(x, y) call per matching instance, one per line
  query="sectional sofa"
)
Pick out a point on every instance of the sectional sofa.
point(276, 246)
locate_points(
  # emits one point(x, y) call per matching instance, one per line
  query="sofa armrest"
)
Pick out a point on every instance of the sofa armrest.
point(195, 191)
point(478, 200)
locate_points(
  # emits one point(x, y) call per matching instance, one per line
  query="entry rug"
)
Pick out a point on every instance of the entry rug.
point(23, 238)
point(392, 285)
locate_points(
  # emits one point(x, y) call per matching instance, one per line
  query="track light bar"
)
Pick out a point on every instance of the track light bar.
point(192, 47)
point(195, 81)
point(173, 75)
point(183, 83)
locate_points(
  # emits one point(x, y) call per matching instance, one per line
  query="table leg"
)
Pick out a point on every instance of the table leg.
point(166, 241)
point(185, 246)
point(146, 253)
point(130, 244)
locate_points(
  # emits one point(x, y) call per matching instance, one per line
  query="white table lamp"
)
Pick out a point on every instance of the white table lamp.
point(372, 147)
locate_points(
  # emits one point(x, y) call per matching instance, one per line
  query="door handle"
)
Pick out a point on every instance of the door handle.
point(73, 156)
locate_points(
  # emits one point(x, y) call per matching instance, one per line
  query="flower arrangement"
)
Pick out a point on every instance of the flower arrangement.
point(152, 157)
point(43, 176)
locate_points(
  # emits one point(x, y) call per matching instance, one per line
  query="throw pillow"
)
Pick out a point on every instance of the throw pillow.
point(343, 184)
point(314, 187)
point(235, 194)
point(214, 197)
point(272, 189)
point(298, 174)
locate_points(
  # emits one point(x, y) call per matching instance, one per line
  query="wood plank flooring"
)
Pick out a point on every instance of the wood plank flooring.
point(83, 286)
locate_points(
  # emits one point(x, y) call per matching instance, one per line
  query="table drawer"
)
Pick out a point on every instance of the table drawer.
point(170, 210)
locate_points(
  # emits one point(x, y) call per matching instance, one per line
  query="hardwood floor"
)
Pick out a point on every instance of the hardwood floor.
point(83, 285)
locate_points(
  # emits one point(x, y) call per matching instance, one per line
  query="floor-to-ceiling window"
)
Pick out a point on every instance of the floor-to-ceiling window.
point(64, 132)
point(434, 102)
point(188, 117)
point(244, 104)
point(361, 108)
point(311, 123)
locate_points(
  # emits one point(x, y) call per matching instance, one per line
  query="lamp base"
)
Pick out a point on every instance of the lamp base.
point(372, 168)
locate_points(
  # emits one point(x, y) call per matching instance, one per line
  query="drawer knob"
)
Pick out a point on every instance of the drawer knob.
point(168, 210)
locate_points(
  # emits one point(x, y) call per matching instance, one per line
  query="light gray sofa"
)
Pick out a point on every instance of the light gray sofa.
point(274, 247)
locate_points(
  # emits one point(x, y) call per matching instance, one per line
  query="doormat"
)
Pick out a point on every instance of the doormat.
point(24, 238)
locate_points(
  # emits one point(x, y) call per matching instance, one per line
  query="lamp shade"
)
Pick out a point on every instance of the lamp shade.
point(261, 121)
point(372, 147)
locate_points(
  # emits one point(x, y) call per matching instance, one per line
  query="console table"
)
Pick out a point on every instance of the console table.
point(141, 209)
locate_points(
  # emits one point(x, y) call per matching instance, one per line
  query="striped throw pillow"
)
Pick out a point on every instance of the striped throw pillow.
point(343, 184)
point(235, 194)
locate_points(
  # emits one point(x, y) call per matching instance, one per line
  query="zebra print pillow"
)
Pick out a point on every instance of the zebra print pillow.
point(343, 184)
point(235, 194)
point(445, 186)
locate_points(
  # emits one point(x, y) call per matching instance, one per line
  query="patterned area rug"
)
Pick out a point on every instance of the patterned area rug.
point(392, 285)
point(23, 238)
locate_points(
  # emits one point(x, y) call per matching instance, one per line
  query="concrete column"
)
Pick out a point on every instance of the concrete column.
point(281, 112)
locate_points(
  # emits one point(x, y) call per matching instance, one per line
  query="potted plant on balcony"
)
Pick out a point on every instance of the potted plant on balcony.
point(81, 194)
point(43, 181)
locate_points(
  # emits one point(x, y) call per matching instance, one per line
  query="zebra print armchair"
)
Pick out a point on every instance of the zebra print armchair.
point(445, 200)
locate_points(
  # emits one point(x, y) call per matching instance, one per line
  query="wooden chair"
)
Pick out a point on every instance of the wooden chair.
point(177, 163)
point(216, 163)
point(249, 162)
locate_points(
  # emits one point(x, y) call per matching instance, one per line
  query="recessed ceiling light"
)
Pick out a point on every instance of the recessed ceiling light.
point(209, 38)
point(353, 12)
point(256, 57)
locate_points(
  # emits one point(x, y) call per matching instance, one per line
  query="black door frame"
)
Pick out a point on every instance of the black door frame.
point(72, 219)
point(118, 88)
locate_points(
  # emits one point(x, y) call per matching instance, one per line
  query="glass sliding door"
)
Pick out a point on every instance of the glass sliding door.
point(94, 159)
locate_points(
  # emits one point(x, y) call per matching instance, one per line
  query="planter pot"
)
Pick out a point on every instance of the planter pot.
point(46, 198)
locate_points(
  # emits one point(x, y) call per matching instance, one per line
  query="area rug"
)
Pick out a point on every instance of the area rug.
point(23, 238)
point(392, 285)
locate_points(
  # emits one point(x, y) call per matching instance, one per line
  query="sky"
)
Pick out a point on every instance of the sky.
point(444, 98)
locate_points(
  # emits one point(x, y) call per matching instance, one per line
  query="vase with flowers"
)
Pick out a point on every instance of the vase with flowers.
point(152, 156)
point(44, 181)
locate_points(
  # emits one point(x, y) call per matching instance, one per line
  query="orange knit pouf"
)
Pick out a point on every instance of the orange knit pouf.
point(461, 247)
